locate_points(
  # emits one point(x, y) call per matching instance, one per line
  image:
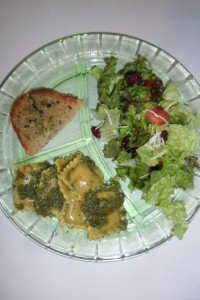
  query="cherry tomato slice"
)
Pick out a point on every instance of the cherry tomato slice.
point(157, 116)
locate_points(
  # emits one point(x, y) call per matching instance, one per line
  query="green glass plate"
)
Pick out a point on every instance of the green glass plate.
point(64, 65)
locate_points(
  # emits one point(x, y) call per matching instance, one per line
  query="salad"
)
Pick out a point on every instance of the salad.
point(149, 133)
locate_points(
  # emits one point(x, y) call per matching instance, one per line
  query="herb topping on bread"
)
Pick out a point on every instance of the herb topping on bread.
point(38, 115)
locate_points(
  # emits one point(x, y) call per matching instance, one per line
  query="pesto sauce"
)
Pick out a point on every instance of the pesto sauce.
point(29, 190)
point(44, 203)
point(48, 197)
point(96, 209)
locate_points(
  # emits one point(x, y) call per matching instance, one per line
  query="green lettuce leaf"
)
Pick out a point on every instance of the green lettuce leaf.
point(134, 126)
point(123, 157)
point(139, 93)
point(152, 152)
point(176, 212)
point(110, 121)
point(107, 79)
point(96, 72)
point(182, 141)
point(180, 113)
point(171, 93)
point(101, 113)
point(112, 148)
point(109, 130)
point(160, 188)
point(160, 191)
point(181, 176)
point(141, 65)
point(151, 157)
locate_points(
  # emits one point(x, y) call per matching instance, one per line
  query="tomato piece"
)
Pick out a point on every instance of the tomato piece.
point(157, 116)
point(149, 83)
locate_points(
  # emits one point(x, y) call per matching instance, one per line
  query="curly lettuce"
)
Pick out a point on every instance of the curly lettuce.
point(180, 113)
point(106, 81)
point(160, 188)
point(110, 121)
point(182, 141)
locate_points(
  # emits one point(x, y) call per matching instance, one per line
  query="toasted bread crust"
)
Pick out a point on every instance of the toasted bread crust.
point(38, 115)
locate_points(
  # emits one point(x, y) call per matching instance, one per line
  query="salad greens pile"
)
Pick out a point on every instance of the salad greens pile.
point(149, 133)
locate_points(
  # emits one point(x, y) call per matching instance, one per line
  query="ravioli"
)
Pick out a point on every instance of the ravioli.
point(115, 223)
point(104, 211)
point(61, 162)
point(78, 176)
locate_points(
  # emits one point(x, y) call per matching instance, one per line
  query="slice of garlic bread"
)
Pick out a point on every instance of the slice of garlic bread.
point(38, 115)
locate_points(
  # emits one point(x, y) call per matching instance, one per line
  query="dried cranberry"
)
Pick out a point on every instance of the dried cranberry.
point(157, 89)
point(125, 142)
point(96, 132)
point(132, 151)
point(149, 83)
point(134, 77)
point(125, 146)
point(157, 167)
point(164, 135)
